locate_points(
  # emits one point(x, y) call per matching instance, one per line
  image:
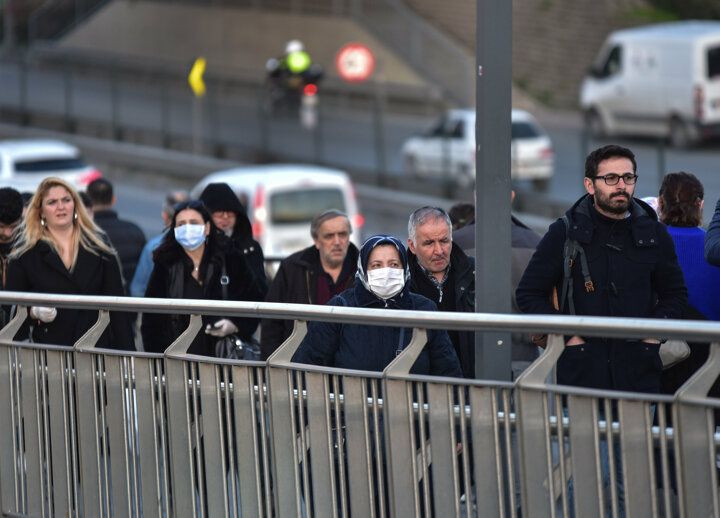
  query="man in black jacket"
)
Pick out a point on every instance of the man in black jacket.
point(313, 275)
point(633, 272)
point(440, 271)
point(125, 236)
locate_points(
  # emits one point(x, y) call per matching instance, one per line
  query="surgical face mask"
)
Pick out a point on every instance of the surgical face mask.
point(386, 282)
point(190, 236)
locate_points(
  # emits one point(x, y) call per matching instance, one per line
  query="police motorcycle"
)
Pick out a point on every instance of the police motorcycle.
point(292, 84)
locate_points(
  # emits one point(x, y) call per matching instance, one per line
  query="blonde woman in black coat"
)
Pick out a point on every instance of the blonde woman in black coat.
point(60, 250)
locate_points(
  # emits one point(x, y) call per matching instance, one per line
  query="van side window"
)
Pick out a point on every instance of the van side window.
point(713, 62)
point(613, 63)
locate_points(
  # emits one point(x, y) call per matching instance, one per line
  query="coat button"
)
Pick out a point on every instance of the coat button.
point(641, 241)
point(652, 240)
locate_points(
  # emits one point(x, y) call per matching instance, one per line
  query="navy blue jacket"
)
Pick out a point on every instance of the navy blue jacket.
point(635, 273)
point(372, 348)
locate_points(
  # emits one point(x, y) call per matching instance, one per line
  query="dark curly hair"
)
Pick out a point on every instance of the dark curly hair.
point(604, 153)
point(680, 200)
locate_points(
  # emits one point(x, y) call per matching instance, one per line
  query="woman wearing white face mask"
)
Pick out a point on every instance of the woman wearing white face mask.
point(381, 281)
point(189, 264)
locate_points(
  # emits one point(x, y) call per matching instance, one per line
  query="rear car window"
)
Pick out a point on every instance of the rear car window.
point(49, 164)
point(713, 62)
point(302, 205)
point(524, 130)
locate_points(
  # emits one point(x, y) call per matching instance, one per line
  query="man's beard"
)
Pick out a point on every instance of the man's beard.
point(332, 262)
point(607, 205)
point(5, 247)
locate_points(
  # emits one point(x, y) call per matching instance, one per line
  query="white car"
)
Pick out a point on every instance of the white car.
point(448, 149)
point(25, 163)
point(282, 199)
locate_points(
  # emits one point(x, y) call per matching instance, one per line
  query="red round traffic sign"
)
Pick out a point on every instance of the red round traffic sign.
point(355, 62)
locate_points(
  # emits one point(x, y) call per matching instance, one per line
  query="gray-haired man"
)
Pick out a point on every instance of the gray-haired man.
point(443, 273)
point(313, 275)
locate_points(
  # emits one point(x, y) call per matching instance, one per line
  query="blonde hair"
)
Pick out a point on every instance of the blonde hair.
point(86, 233)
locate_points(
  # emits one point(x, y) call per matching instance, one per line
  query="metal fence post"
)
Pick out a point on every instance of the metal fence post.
point(534, 432)
point(695, 448)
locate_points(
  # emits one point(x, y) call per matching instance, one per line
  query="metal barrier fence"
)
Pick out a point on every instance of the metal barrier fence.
point(92, 432)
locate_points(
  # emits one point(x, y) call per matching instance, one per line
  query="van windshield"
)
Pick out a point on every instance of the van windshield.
point(49, 164)
point(713, 62)
point(300, 206)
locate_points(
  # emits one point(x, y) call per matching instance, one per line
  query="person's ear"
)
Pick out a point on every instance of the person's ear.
point(411, 246)
point(589, 185)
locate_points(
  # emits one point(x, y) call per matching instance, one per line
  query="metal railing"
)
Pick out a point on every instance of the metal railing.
point(92, 432)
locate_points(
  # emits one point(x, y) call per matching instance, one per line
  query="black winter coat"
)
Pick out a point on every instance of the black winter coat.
point(172, 278)
point(294, 283)
point(241, 245)
point(372, 348)
point(41, 270)
point(462, 270)
point(126, 237)
point(635, 273)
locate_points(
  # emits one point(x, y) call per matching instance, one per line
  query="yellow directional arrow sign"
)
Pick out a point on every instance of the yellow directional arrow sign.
point(195, 78)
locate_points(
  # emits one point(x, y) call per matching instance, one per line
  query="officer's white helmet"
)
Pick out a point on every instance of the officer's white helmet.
point(294, 46)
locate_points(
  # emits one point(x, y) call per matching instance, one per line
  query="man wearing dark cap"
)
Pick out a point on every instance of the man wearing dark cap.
point(126, 237)
point(231, 219)
point(11, 209)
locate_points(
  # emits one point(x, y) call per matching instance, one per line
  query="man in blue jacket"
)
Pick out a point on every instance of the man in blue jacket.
point(632, 271)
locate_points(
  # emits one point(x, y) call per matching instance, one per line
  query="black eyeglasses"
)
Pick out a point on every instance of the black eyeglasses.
point(613, 178)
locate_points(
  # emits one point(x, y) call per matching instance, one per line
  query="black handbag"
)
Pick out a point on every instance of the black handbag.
point(232, 347)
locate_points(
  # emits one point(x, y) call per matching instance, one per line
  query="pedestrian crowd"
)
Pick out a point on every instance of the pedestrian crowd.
point(612, 254)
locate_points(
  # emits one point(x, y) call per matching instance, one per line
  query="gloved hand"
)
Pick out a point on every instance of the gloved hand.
point(221, 328)
point(43, 314)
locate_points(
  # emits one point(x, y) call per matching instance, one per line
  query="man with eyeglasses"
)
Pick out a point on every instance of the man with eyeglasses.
point(630, 270)
point(625, 266)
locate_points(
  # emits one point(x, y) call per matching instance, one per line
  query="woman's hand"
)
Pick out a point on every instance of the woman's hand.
point(221, 328)
point(43, 314)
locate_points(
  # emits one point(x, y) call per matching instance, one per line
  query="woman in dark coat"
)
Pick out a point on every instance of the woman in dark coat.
point(381, 281)
point(231, 220)
point(60, 250)
point(190, 264)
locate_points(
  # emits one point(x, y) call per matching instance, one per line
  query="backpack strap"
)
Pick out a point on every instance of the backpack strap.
point(571, 249)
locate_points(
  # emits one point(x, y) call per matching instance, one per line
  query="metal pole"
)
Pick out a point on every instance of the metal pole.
point(492, 208)
point(68, 87)
point(197, 124)
point(661, 161)
point(9, 34)
point(380, 125)
point(23, 89)
point(165, 111)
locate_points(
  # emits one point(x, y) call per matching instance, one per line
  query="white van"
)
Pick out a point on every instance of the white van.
point(657, 81)
point(281, 199)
